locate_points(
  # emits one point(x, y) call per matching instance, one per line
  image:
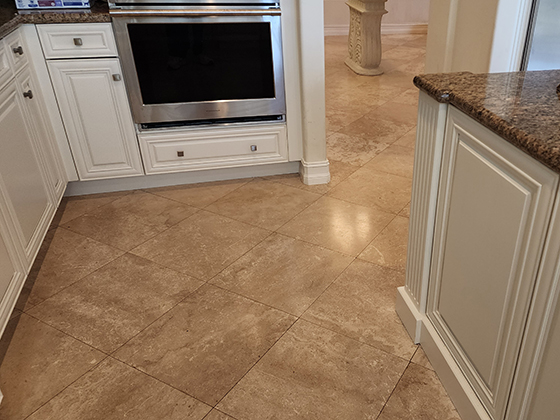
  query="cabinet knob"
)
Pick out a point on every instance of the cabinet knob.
point(28, 94)
point(117, 77)
point(253, 148)
point(18, 50)
point(78, 42)
point(180, 153)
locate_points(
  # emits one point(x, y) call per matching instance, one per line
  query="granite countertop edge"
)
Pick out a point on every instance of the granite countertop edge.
point(543, 151)
point(10, 19)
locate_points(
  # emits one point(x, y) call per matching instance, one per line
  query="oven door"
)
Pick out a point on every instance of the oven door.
point(183, 65)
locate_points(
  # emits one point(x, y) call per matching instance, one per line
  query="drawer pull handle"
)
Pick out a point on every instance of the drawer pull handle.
point(253, 148)
point(18, 50)
point(78, 42)
point(117, 77)
point(28, 94)
point(181, 154)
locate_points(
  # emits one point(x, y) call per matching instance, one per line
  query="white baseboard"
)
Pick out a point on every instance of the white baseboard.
point(315, 173)
point(455, 383)
point(457, 386)
point(163, 180)
point(409, 314)
point(386, 29)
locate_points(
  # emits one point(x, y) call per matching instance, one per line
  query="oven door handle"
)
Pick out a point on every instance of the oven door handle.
point(194, 12)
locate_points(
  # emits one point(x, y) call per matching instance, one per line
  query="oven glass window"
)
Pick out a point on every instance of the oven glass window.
point(197, 62)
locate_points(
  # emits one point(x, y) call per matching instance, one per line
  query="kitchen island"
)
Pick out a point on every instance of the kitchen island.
point(483, 265)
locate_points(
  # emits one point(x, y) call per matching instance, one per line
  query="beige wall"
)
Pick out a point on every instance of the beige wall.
point(461, 35)
point(402, 14)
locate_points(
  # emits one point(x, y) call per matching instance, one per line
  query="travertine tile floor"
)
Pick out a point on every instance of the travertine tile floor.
point(252, 299)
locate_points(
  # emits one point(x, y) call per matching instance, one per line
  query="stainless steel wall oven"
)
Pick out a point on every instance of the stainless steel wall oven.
point(201, 60)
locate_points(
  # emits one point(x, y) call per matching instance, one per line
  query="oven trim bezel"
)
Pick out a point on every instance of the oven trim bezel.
point(193, 111)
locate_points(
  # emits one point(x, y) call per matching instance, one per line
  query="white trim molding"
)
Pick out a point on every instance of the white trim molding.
point(191, 177)
point(386, 29)
point(510, 33)
point(315, 173)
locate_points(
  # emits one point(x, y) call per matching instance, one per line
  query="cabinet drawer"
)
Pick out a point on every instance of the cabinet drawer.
point(77, 40)
point(196, 149)
point(16, 51)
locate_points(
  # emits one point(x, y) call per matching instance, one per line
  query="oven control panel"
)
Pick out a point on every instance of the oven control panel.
point(51, 4)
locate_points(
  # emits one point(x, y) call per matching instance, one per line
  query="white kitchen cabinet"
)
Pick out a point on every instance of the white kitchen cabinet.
point(12, 275)
point(494, 208)
point(213, 147)
point(22, 176)
point(95, 110)
point(46, 143)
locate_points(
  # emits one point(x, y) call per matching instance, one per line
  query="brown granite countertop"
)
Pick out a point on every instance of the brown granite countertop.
point(11, 18)
point(523, 107)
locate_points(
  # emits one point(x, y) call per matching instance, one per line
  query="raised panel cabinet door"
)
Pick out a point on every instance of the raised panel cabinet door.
point(11, 281)
point(95, 110)
point(22, 176)
point(494, 206)
point(46, 143)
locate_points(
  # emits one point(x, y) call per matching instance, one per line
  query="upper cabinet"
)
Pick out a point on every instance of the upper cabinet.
point(92, 99)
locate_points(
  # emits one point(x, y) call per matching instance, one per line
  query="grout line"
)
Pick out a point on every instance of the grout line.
point(258, 360)
point(393, 391)
point(68, 386)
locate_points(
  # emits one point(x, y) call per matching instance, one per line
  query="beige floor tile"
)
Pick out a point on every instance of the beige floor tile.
point(419, 395)
point(294, 180)
point(361, 305)
point(401, 75)
point(421, 359)
point(385, 124)
point(199, 195)
point(115, 303)
point(394, 160)
point(339, 172)
point(355, 151)
point(263, 203)
point(218, 415)
point(130, 220)
point(408, 97)
point(284, 273)
point(408, 140)
point(115, 391)
point(388, 249)
point(340, 118)
point(404, 52)
point(207, 343)
point(367, 187)
point(313, 373)
point(418, 41)
point(77, 206)
point(65, 257)
point(414, 67)
point(405, 212)
point(39, 363)
point(203, 245)
point(15, 313)
point(337, 225)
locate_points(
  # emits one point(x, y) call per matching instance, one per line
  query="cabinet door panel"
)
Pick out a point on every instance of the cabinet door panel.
point(97, 117)
point(44, 135)
point(7, 269)
point(20, 171)
point(493, 210)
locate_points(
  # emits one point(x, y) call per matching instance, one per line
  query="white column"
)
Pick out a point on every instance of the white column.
point(314, 165)
point(411, 299)
point(364, 40)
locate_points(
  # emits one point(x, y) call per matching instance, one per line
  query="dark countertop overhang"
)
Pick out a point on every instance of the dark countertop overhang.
point(522, 107)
